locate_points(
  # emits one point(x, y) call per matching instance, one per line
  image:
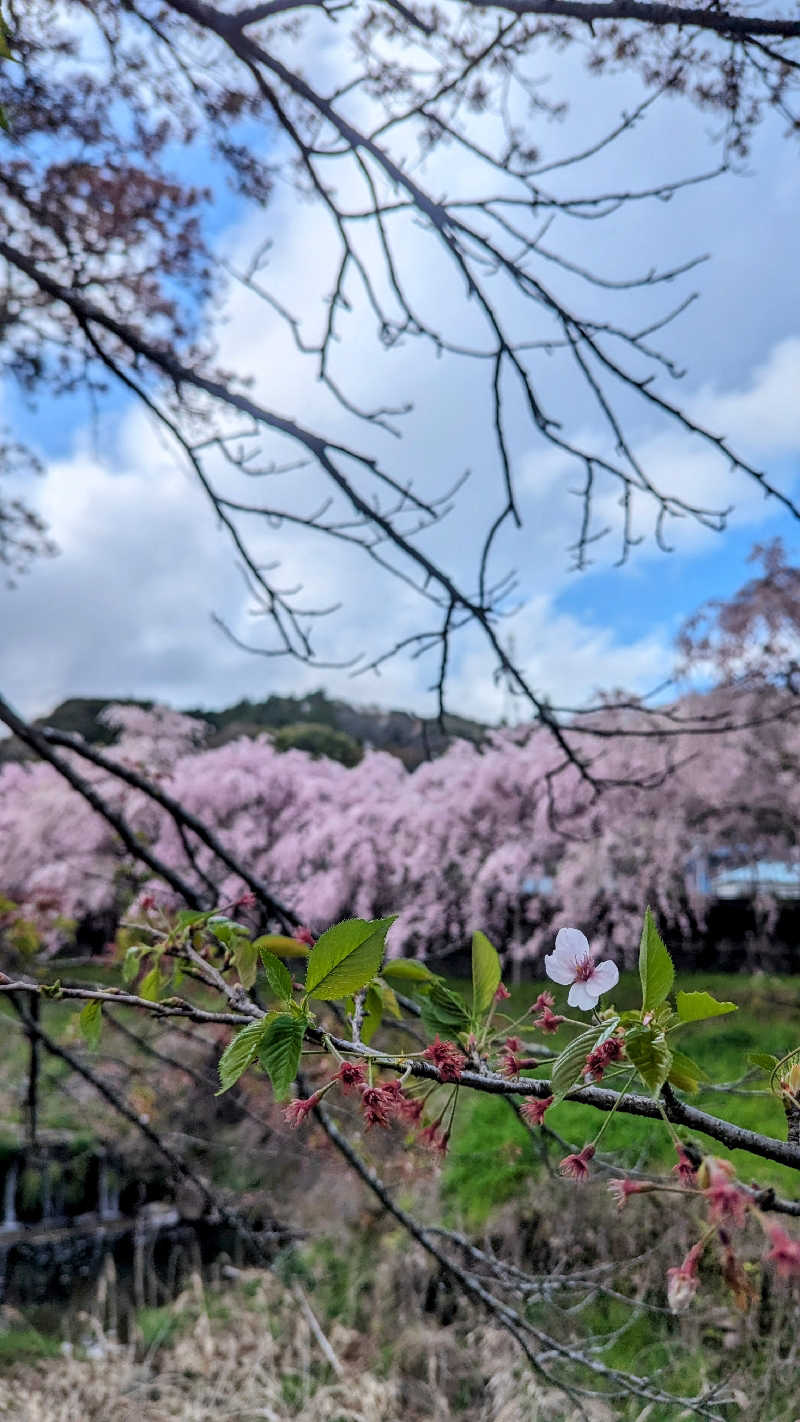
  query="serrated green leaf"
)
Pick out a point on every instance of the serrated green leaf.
point(650, 1055)
point(239, 1053)
point(278, 977)
point(389, 1000)
point(407, 970)
point(150, 986)
point(486, 972)
point(695, 1006)
point(570, 1065)
point(91, 1023)
point(346, 957)
point(130, 963)
point(443, 1012)
point(373, 1014)
point(279, 1051)
point(684, 1073)
point(764, 1060)
point(655, 965)
point(245, 957)
point(281, 946)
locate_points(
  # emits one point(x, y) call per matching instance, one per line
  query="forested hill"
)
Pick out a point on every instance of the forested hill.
point(312, 722)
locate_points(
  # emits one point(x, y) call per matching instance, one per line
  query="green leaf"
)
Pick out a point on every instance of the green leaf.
point(763, 1060)
point(570, 1065)
point(130, 963)
point(486, 973)
point(279, 1051)
point(655, 966)
point(346, 957)
point(650, 1055)
point(91, 1023)
point(150, 986)
point(389, 1000)
point(443, 1012)
point(226, 931)
point(239, 1053)
point(278, 977)
point(186, 918)
point(245, 956)
point(407, 970)
point(684, 1073)
point(373, 1015)
point(694, 1006)
point(282, 946)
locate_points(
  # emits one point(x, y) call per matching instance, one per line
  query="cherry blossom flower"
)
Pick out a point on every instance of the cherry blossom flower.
point(533, 1111)
point(576, 1167)
point(501, 993)
point(548, 1021)
point(682, 1283)
point(447, 1058)
point(622, 1189)
point(602, 1056)
point(785, 1251)
point(295, 1113)
point(512, 1065)
point(351, 1074)
point(684, 1170)
point(545, 999)
point(572, 962)
point(377, 1105)
point(728, 1202)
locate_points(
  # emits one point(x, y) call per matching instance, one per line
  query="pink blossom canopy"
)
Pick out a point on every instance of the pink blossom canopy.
point(572, 963)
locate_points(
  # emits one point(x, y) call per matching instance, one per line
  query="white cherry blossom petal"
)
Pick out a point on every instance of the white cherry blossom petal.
point(559, 968)
point(604, 977)
point(581, 995)
point(573, 942)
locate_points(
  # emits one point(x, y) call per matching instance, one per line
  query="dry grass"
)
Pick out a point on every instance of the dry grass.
point(252, 1351)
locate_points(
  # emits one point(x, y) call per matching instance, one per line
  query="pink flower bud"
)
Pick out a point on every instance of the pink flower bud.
point(446, 1057)
point(576, 1167)
point(295, 1113)
point(533, 1111)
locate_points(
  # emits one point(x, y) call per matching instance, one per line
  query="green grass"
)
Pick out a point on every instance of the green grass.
point(491, 1158)
point(26, 1345)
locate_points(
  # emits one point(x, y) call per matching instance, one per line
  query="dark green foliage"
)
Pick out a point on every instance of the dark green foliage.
point(319, 740)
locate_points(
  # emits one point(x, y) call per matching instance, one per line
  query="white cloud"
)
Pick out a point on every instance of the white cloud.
point(125, 609)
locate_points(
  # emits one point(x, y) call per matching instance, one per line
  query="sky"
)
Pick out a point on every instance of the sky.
point(125, 609)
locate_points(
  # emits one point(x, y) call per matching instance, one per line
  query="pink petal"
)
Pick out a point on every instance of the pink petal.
point(604, 977)
point(580, 995)
point(560, 968)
